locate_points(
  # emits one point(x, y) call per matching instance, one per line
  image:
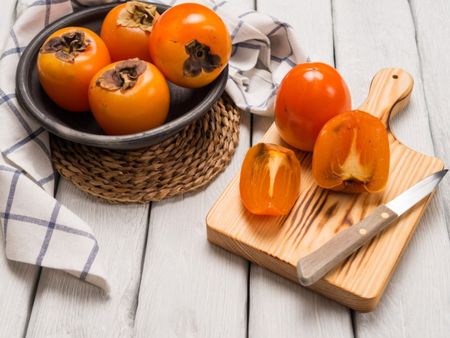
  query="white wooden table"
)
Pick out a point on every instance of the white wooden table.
point(168, 281)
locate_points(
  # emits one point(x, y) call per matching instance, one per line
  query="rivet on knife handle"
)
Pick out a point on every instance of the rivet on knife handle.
point(314, 266)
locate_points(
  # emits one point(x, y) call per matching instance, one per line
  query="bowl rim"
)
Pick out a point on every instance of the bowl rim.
point(129, 141)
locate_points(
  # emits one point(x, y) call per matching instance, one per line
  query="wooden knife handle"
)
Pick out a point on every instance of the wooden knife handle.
point(314, 266)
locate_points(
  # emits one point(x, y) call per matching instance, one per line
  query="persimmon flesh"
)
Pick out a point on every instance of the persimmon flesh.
point(270, 180)
point(351, 154)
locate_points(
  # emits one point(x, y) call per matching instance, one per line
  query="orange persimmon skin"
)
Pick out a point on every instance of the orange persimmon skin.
point(137, 109)
point(171, 35)
point(270, 180)
point(352, 154)
point(67, 83)
point(124, 42)
point(309, 95)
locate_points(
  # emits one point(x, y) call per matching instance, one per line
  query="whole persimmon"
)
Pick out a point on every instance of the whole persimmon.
point(270, 180)
point(66, 62)
point(352, 154)
point(309, 95)
point(128, 97)
point(190, 44)
point(126, 30)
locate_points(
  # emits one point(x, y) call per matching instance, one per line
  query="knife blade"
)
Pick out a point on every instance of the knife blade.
point(317, 264)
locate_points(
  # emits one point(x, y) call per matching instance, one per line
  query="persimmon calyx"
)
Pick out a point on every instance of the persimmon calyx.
point(123, 76)
point(67, 46)
point(200, 58)
point(138, 15)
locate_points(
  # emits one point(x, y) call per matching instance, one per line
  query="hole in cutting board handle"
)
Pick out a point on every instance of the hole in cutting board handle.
point(389, 93)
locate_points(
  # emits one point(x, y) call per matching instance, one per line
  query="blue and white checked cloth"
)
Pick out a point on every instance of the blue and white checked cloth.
point(37, 229)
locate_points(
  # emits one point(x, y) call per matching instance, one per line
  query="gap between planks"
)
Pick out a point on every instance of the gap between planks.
point(294, 310)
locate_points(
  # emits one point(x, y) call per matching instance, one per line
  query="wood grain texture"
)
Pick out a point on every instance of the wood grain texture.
point(435, 69)
point(279, 307)
point(330, 255)
point(417, 300)
point(278, 242)
point(65, 306)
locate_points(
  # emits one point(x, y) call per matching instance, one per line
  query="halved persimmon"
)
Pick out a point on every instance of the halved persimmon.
point(351, 154)
point(270, 179)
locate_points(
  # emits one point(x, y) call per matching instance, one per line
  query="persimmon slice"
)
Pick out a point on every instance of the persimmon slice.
point(351, 154)
point(270, 179)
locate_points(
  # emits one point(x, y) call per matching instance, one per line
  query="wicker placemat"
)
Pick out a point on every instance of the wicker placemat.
point(182, 163)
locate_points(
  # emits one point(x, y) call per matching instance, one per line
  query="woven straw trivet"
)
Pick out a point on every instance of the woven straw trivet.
point(184, 162)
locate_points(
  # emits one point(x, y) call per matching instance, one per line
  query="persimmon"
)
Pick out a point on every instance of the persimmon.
point(190, 44)
point(309, 95)
point(270, 179)
point(128, 97)
point(352, 154)
point(66, 63)
point(126, 30)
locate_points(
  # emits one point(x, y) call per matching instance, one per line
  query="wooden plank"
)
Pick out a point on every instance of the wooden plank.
point(189, 287)
point(432, 32)
point(371, 35)
point(278, 307)
point(18, 280)
point(65, 306)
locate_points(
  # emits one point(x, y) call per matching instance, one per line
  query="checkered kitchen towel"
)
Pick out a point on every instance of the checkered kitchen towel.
point(37, 229)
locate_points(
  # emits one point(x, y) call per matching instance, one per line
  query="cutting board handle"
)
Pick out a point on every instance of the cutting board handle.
point(389, 93)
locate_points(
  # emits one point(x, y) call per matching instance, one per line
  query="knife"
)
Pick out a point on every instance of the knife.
point(314, 266)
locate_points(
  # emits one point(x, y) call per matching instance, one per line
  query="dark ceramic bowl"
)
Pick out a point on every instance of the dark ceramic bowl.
point(186, 105)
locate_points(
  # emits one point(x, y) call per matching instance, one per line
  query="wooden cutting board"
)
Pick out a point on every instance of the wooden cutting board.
point(277, 243)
